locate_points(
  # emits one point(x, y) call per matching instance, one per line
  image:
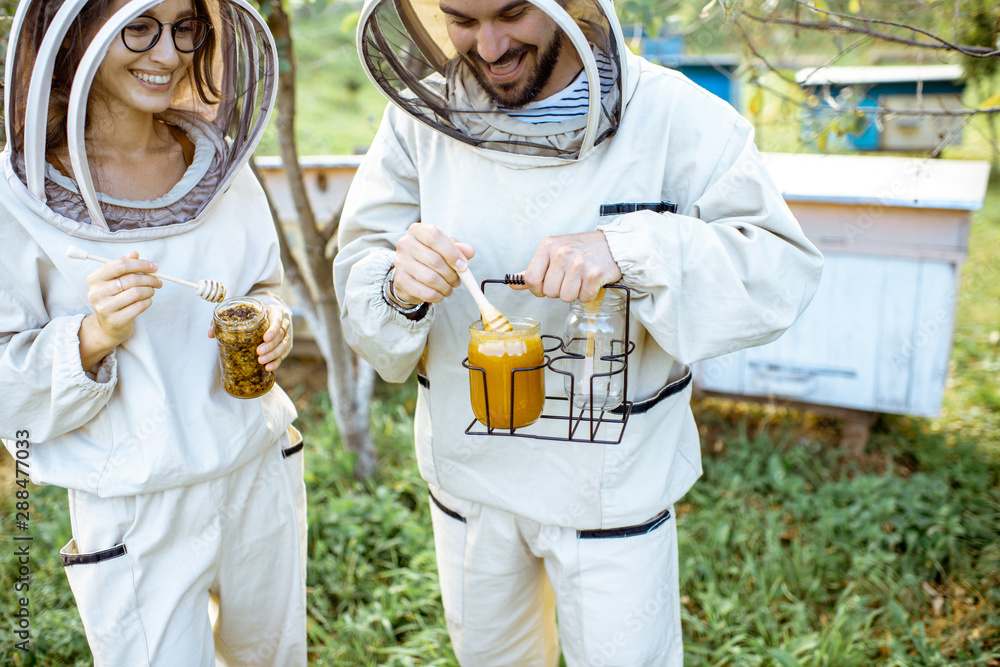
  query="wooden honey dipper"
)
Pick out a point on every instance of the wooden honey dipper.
point(493, 319)
point(209, 290)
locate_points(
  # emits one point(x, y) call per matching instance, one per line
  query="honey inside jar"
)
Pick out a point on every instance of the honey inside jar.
point(499, 355)
point(240, 324)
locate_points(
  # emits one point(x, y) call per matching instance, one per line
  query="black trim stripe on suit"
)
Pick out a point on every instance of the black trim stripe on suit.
point(96, 557)
point(450, 512)
point(632, 207)
point(294, 449)
point(604, 533)
point(665, 392)
point(625, 531)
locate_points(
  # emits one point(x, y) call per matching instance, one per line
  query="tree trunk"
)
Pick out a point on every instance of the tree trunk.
point(350, 380)
point(352, 405)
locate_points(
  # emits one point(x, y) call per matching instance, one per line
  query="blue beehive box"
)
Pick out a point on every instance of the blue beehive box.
point(877, 92)
point(714, 73)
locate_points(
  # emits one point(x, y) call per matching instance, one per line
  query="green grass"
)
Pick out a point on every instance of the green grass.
point(793, 555)
point(373, 593)
point(972, 404)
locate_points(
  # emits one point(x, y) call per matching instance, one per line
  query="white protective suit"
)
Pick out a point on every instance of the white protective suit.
point(729, 269)
point(173, 483)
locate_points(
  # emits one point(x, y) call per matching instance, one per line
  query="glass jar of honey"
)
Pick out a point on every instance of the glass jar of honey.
point(240, 324)
point(506, 372)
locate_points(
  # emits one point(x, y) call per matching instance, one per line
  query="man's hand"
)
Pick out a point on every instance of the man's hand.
point(426, 263)
point(571, 267)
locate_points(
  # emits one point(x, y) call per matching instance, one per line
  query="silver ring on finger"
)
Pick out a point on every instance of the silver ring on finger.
point(121, 288)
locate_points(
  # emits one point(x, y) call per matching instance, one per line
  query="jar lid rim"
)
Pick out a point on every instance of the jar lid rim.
point(256, 304)
point(522, 326)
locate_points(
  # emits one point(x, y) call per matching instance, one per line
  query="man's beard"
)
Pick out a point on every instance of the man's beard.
point(506, 95)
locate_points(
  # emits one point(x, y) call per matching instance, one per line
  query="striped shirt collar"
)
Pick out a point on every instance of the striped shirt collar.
point(569, 102)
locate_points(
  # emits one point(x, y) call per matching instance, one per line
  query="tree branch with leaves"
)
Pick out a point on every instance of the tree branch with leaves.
point(965, 32)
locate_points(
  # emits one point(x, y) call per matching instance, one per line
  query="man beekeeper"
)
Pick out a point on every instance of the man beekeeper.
point(523, 137)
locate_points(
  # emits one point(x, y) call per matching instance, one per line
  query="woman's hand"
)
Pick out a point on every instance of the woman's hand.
point(119, 291)
point(277, 339)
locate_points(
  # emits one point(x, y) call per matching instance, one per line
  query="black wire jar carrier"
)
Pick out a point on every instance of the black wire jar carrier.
point(582, 424)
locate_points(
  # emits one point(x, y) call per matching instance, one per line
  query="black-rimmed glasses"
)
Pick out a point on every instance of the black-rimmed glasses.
point(142, 33)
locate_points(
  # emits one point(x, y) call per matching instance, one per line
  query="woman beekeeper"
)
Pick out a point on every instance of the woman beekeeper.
point(129, 126)
point(529, 132)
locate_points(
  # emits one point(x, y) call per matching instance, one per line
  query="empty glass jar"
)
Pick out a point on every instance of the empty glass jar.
point(595, 335)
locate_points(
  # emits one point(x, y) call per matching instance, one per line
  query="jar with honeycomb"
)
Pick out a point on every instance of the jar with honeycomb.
point(240, 324)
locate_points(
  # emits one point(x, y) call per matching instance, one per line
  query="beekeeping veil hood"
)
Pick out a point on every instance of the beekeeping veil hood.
point(243, 67)
point(405, 49)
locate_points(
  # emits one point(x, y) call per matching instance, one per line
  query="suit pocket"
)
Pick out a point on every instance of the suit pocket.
point(104, 588)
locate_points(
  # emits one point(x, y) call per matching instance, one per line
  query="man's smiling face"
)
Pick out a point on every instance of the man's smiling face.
point(515, 50)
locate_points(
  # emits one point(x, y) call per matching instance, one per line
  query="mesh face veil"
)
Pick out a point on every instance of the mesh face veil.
point(405, 48)
point(227, 94)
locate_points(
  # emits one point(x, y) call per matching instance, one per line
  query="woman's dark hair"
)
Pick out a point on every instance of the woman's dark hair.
point(75, 44)
point(201, 67)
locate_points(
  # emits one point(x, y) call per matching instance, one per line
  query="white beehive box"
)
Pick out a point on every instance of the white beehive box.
point(877, 336)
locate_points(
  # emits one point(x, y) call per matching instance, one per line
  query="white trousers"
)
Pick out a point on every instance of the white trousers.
point(504, 579)
point(208, 574)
